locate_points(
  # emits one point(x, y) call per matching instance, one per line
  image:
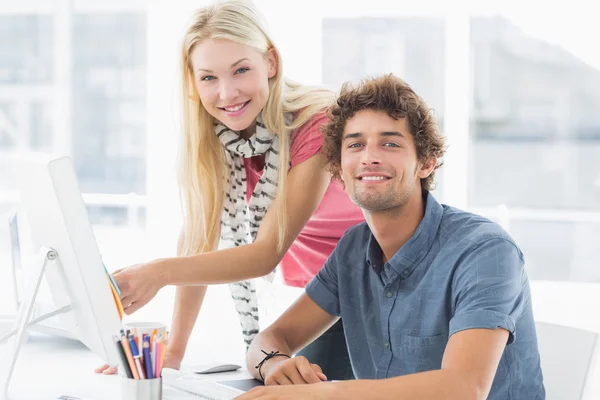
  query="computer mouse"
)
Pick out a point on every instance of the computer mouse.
point(214, 368)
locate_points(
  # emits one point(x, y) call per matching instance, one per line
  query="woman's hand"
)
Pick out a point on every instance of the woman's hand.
point(172, 360)
point(106, 370)
point(139, 283)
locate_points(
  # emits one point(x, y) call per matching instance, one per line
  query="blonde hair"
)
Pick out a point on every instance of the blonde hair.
point(202, 163)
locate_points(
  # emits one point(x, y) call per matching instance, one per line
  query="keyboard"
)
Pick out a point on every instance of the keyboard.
point(198, 386)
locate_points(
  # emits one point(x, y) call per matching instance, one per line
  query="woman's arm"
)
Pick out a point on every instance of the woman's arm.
point(307, 183)
point(188, 301)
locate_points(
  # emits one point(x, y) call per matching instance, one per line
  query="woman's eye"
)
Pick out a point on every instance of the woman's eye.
point(242, 70)
point(207, 78)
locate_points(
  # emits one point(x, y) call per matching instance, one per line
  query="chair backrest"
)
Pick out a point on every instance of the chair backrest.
point(568, 357)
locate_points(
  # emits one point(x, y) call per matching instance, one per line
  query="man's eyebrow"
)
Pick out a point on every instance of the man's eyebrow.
point(352, 135)
point(355, 135)
point(392, 133)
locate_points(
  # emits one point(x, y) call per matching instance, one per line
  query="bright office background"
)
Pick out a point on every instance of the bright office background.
point(516, 87)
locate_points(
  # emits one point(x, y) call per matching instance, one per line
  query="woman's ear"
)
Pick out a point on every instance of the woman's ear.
point(272, 58)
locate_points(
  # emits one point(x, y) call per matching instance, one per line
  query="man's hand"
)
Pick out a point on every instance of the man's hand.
point(291, 371)
point(317, 391)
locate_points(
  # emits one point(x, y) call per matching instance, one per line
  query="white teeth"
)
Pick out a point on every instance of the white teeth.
point(236, 108)
point(373, 178)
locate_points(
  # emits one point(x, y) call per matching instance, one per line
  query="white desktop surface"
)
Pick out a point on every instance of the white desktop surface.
point(49, 367)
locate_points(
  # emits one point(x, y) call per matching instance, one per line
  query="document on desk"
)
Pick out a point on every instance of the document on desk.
point(197, 387)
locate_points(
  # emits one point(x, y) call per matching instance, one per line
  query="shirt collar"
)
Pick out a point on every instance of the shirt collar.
point(414, 250)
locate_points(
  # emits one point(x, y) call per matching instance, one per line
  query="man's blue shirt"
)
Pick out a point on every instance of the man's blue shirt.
point(458, 271)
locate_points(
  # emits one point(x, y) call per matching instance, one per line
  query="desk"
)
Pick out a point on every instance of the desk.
point(50, 366)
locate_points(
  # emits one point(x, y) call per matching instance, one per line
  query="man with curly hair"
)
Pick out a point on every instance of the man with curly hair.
point(435, 301)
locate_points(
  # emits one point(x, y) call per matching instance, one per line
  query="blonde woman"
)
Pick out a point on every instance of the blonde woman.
point(252, 180)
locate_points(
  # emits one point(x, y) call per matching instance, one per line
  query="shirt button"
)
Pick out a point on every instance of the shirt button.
point(405, 273)
point(386, 344)
point(390, 293)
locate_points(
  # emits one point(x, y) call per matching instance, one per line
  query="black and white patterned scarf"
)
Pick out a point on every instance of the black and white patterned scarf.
point(240, 222)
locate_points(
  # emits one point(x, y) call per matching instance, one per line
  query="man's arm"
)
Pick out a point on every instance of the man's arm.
point(302, 323)
point(488, 295)
point(468, 369)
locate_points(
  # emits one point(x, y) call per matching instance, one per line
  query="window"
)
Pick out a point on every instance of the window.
point(535, 142)
point(517, 96)
point(409, 47)
point(72, 81)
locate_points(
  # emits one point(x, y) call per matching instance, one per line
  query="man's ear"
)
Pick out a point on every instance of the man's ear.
point(342, 181)
point(426, 168)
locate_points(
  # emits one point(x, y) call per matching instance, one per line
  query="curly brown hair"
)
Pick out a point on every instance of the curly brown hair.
point(392, 95)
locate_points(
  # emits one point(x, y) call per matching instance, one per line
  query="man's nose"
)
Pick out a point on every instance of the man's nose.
point(371, 155)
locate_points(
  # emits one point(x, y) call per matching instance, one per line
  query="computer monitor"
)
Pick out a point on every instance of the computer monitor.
point(58, 219)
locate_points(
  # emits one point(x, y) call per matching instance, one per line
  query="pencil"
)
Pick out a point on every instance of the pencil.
point(112, 281)
point(127, 350)
point(152, 337)
point(137, 342)
point(153, 350)
point(165, 343)
point(147, 357)
point(158, 345)
point(137, 358)
point(117, 302)
point(123, 357)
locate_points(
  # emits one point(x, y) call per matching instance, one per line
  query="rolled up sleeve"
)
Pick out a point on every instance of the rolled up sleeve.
point(323, 288)
point(488, 288)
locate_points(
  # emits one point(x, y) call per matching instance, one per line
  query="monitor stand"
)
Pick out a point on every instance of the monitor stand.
point(41, 310)
point(23, 320)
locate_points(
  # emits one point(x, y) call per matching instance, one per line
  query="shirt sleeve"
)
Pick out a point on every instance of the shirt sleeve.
point(307, 140)
point(489, 288)
point(323, 288)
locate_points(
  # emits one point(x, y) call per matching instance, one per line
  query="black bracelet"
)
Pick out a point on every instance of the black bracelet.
point(268, 357)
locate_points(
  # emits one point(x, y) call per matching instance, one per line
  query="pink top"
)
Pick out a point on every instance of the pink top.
point(332, 218)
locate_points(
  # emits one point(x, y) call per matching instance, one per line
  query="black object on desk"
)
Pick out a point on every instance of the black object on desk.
point(243, 384)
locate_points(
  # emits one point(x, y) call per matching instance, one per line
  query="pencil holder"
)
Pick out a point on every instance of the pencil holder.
point(141, 389)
